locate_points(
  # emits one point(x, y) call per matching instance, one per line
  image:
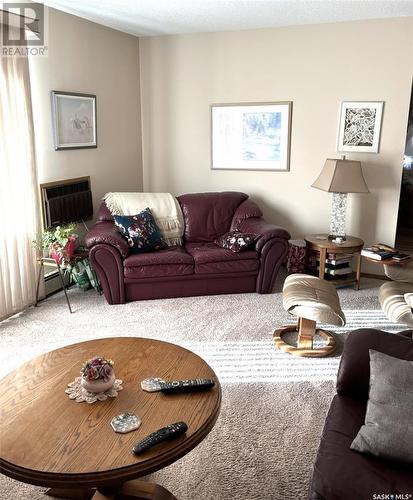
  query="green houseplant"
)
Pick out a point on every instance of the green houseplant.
point(60, 243)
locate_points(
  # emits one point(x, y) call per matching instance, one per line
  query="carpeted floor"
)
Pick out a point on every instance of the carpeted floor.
point(274, 404)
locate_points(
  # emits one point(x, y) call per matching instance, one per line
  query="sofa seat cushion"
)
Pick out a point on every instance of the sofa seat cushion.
point(172, 261)
point(340, 472)
point(209, 258)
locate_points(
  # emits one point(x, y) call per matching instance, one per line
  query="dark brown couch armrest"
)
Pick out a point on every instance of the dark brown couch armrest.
point(272, 246)
point(263, 230)
point(106, 233)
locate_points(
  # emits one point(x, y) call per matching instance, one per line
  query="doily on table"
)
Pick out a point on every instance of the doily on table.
point(79, 394)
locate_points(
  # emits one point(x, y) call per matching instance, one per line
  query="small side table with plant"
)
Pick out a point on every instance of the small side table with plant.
point(61, 249)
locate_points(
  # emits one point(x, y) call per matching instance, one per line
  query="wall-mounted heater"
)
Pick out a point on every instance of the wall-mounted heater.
point(66, 201)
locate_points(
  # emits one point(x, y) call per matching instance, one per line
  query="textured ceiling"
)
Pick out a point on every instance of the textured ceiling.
point(167, 17)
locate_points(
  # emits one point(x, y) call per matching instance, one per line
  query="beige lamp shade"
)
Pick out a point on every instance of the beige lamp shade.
point(341, 176)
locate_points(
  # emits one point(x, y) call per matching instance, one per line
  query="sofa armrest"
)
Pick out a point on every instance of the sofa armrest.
point(106, 233)
point(272, 247)
point(354, 372)
point(263, 230)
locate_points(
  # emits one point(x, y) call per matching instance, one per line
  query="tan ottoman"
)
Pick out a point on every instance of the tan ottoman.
point(310, 299)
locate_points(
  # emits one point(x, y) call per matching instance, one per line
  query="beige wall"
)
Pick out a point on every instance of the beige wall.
point(315, 67)
point(90, 58)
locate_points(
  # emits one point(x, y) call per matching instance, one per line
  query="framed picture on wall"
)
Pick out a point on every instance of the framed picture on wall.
point(360, 126)
point(73, 120)
point(251, 136)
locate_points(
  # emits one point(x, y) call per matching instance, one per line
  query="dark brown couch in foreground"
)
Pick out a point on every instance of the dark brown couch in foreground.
point(344, 474)
point(199, 267)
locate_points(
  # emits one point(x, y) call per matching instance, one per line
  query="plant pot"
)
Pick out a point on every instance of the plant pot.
point(99, 385)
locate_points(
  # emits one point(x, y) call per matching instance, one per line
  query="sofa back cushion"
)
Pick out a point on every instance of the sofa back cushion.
point(104, 213)
point(209, 215)
point(247, 210)
point(354, 372)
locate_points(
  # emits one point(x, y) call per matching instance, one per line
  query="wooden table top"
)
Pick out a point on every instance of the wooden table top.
point(322, 241)
point(49, 440)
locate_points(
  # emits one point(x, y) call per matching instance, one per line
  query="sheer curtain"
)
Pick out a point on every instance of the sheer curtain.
point(19, 209)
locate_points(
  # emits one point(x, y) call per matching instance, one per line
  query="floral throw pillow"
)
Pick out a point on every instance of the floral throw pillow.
point(141, 231)
point(236, 241)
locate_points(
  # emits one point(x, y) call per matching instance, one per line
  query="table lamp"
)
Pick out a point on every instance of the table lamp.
point(340, 176)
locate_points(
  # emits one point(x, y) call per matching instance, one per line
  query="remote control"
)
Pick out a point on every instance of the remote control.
point(196, 384)
point(160, 435)
point(158, 384)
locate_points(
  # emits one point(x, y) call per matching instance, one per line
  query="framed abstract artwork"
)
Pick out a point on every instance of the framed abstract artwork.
point(251, 136)
point(74, 120)
point(360, 126)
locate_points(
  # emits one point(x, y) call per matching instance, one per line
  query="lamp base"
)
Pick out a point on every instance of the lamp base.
point(338, 218)
point(335, 238)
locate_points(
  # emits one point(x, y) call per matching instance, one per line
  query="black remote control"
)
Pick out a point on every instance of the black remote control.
point(160, 435)
point(196, 384)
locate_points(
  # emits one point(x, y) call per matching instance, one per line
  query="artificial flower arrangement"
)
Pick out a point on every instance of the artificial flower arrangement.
point(97, 374)
point(97, 368)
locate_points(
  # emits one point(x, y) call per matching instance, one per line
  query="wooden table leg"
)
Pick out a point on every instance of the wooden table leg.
point(104, 496)
point(323, 255)
point(140, 490)
point(146, 491)
point(72, 494)
point(358, 270)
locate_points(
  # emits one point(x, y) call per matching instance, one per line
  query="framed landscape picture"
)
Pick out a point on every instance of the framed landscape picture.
point(251, 136)
point(74, 120)
point(359, 127)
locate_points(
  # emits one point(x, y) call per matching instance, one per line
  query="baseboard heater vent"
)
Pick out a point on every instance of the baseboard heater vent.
point(66, 201)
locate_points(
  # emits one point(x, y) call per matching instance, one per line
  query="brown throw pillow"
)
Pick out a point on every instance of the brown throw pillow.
point(388, 428)
point(235, 241)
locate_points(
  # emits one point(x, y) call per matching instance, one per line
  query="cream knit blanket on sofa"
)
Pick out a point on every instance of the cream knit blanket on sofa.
point(164, 207)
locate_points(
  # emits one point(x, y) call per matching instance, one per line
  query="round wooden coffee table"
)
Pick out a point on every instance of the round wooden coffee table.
point(49, 440)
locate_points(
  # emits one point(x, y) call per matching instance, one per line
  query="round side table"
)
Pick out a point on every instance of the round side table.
point(352, 245)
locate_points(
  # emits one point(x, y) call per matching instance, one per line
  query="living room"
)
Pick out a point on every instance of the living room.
point(156, 74)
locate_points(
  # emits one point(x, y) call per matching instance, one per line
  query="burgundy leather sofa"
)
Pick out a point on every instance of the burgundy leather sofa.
point(199, 267)
point(339, 472)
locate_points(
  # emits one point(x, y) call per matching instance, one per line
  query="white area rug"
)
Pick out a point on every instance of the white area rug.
point(265, 440)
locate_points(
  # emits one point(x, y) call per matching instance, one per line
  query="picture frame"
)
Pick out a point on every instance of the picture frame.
point(251, 136)
point(360, 126)
point(74, 120)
